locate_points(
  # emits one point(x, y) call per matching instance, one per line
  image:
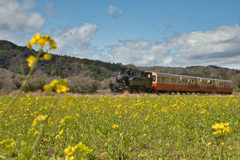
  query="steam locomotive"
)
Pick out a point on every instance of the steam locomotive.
point(138, 81)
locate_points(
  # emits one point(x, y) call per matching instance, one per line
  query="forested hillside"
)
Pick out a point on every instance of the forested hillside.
point(84, 75)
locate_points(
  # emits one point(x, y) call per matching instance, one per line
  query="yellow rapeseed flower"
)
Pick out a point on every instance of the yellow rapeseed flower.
point(47, 56)
point(29, 45)
point(53, 44)
point(230, 147)
point(61, 88)
point(140, 155)
point(68, 151)
point(53, 83)
point(57, 137)
point(37, 119)
point(62, 121)
point(43, 118)
point(31, 59)
point(221, 128)
point(222, 144)
point(61, 132)
point(47, 87)
point(115, 126)
point(42, 41)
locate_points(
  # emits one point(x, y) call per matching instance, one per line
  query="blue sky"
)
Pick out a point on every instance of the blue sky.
point(176, 33)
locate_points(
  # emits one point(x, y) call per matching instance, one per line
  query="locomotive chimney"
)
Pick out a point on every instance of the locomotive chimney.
point(129, 72)
point(122, 70)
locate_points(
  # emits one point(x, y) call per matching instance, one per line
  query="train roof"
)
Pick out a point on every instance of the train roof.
point(190, 76)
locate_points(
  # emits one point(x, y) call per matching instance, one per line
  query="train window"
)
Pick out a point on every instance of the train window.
point(159, 79)
point(163, 79)
point(153, 78)
point(206, 84)
point(185, 82)
point(173, 80)
point(167, 80)
point(214, 84)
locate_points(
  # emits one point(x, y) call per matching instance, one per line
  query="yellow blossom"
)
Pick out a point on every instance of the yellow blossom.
point(36, 133)
point(222, 144)
point(42, 41)
point(62, 121)
point(68, 151)
point(47, 56)
point(57, 137)
point(60, 86)
point(29, 45)
point(115, 126)
point(47, 87)
point(230, 147)
point(31, 59)
point(61, 132)
point(140, 155)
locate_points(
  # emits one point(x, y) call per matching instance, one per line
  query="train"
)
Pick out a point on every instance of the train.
point(157, 82)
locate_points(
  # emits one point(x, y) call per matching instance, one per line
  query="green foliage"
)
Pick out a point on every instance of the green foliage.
point(53, 73)
point(34, 84)
point(91, 88)
point(225, 77)
point(18, 80)
point(94, 71)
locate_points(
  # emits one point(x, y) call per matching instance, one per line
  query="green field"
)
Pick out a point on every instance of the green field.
point(165, 127)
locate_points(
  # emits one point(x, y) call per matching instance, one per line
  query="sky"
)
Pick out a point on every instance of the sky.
point(169, 33)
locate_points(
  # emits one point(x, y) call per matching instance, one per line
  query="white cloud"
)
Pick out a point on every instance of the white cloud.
point(132, 52)
point(76, 41)
point(49, 9)
point(218, 46)
point(114, 12)
point(16, 16)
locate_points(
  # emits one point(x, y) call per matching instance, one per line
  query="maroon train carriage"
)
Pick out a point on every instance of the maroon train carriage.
point(165, 82)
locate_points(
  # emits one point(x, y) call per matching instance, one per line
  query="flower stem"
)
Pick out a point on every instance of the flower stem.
point(23, 85)
point(42, 129)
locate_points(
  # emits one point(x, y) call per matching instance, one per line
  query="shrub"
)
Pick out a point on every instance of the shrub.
point(6, 82)
point(34, 84)
point(82, 84)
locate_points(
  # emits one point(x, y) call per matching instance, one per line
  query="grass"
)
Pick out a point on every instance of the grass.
point(145, 127)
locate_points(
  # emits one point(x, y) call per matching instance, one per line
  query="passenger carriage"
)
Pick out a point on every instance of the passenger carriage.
point(165, 82)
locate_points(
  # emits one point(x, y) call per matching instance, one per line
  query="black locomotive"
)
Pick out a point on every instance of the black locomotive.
point(138, 81)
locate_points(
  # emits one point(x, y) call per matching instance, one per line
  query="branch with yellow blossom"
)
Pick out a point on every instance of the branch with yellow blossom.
point(32, 60)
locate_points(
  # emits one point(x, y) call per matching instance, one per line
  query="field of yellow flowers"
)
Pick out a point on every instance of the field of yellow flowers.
point(164, 127)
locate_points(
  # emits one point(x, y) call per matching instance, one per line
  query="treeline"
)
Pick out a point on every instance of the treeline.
point(78, 84)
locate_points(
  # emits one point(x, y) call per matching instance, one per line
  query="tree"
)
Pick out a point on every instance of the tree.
point(6, 83)
point(236, 81)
